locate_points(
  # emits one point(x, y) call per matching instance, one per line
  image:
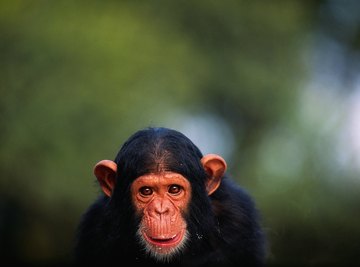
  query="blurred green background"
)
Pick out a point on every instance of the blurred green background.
point(272, 86)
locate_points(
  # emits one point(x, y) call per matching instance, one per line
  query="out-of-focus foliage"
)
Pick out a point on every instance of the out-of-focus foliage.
point(78, 77)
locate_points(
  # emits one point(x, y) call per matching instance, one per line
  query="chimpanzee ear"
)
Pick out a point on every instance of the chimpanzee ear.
point(105, 172)
point(215, 167)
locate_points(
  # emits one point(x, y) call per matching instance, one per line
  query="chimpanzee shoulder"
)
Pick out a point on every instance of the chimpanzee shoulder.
point(241, 236)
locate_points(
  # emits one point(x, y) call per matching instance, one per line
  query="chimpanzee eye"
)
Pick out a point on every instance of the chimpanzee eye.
point(145, 191)
point(174, 189)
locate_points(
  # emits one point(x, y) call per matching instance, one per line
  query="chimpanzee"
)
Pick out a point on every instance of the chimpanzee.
point(165, 204)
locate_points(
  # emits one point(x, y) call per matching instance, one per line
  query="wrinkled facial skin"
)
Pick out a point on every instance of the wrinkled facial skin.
point(161, 199)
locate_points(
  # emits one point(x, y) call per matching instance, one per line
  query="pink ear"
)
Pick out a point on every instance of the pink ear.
point(215, 167)
point(105, 172)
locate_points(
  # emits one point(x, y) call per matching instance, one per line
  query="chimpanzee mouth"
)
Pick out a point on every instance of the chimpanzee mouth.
point(165, 241)
point(163, 247)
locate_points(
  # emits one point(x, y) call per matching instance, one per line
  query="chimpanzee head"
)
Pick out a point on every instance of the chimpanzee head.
point(168, 183)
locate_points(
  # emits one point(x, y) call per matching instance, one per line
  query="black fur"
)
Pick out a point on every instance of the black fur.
point(224, 227)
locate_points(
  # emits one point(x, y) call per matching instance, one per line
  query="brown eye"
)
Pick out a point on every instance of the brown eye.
point(145, 191)
point(174, 189)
